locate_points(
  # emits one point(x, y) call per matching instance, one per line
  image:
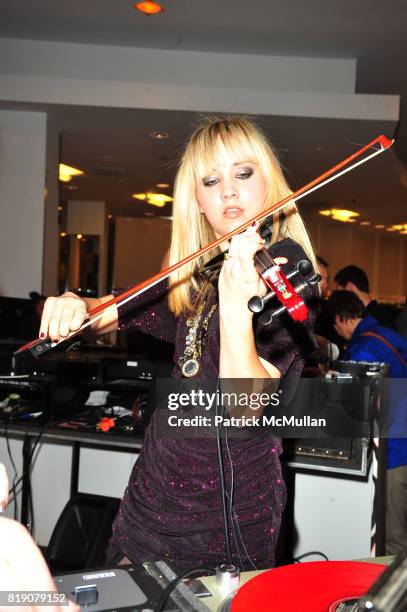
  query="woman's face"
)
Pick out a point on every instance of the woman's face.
point(231, 193)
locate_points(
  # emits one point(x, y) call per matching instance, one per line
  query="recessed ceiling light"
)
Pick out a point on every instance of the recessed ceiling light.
point(379, 226)
point(339, 214)
point(67, 172)
point(79, 236)
point(109, 216)
point(163, 185)
point(365, 223)
point(159, 135)
point(148, 7)
point(62, 234)
point(156, 199)
point(60, 208)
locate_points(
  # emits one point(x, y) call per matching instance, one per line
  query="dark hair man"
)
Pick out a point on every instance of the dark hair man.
point(369, 341)
point(352, 278)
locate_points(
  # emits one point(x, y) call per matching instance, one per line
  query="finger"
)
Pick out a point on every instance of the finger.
point(55, 319)
point(46, 315)
point(72, 316)
point(4, 488)
point(66, 321)
point(79, 316)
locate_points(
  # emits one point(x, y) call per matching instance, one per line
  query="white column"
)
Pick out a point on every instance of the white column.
point(22, 182)
point(51, 228)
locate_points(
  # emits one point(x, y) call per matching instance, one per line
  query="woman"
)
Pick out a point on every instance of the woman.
point(172, 508)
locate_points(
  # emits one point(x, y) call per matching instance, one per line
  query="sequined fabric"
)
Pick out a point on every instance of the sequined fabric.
point(172, 508)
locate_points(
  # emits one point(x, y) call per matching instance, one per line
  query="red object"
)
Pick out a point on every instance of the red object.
point(105, 424)
point(327, 176)
point(279, 283)
point(309, 587)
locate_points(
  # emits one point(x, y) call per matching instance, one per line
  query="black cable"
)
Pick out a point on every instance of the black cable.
point(30, 513)
point(13, 489)
point(308, 554)
point(171, 586)
point(233, 515)
point(222, 481)
point(14, 468)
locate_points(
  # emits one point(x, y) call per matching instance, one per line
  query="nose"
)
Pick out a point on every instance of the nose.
point(229, 189)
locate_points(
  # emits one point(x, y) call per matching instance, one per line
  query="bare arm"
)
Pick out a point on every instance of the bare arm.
point(66, 314)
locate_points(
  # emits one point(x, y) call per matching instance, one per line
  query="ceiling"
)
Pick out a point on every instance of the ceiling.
point(115, 149)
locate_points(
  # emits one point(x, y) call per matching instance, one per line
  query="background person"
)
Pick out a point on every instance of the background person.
point(22, 566)
point(352, 278)
point(369, 341)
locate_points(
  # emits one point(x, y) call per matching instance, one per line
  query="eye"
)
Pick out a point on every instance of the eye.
point(210, 181)
point(244, 173)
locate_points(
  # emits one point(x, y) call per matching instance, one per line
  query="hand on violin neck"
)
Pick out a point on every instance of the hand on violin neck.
point(239, 279)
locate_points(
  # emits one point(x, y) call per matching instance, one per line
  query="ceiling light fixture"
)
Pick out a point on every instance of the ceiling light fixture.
point(159, 135)
point(148, 7)
point(338, 214)
point(155, 199)
point(67, 172)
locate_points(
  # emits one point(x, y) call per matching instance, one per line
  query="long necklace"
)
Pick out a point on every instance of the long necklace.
point(194, 341)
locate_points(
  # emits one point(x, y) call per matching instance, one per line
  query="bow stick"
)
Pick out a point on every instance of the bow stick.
point(379, 144)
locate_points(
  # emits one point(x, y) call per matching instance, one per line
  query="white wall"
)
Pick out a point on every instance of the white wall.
point(100, 473)
point(333, 516)
point(95, 75)
point(22, 183)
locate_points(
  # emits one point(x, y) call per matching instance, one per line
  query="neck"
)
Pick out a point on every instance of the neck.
point(365, 298)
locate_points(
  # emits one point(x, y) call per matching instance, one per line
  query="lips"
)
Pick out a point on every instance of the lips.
point(231, 212)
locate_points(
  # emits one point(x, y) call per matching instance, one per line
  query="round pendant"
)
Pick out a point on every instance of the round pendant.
point(190, 368)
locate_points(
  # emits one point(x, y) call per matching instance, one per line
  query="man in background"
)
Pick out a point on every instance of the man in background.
point(369, 341)
point(352, 278)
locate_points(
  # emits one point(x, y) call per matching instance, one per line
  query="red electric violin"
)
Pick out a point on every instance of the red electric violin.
point(277, 281)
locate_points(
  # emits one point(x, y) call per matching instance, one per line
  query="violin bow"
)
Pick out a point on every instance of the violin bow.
point(379, 144)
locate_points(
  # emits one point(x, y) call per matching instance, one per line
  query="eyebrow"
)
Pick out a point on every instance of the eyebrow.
point(239, 163)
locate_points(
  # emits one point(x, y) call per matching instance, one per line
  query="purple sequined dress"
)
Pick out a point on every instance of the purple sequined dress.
point(172, 507)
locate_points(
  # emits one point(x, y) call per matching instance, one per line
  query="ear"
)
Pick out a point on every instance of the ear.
point(351, 287)
point(337, 319)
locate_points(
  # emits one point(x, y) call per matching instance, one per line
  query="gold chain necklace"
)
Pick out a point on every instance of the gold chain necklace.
point(189, 362)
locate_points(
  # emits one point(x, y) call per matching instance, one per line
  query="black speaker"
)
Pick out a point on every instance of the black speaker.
point(82, 532)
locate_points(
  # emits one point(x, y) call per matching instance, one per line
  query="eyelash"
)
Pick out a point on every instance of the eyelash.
point(242, 174)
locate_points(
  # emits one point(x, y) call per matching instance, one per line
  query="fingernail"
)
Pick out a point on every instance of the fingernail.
point(254, 224)
point(42, 335)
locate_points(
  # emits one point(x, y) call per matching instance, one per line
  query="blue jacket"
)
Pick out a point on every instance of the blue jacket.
point(365, 348)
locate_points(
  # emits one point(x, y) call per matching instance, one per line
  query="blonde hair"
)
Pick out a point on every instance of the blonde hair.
point(191, 230)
